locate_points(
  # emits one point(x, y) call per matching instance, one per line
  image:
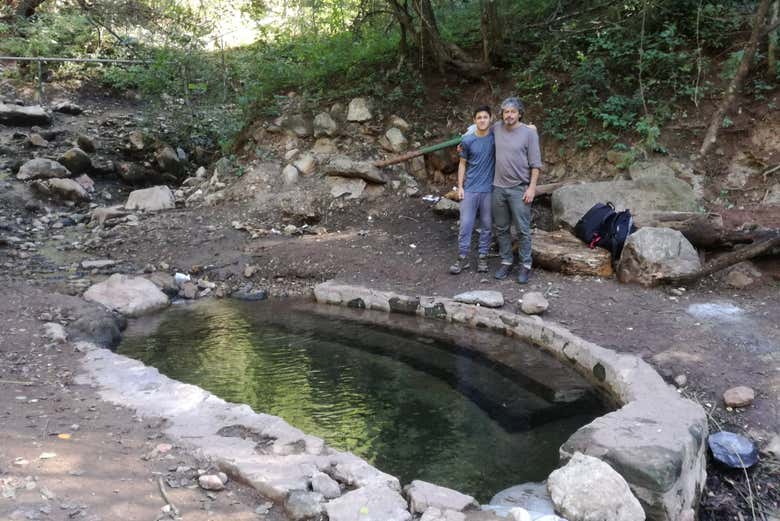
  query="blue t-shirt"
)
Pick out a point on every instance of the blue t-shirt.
point(480, 156)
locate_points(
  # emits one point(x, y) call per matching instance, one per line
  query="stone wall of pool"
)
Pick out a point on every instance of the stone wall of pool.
point(655, 439)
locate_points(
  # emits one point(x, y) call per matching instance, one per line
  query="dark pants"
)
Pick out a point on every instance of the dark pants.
point(509, 208)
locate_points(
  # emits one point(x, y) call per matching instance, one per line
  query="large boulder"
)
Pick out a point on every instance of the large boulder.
point(569, 203)
point(343, 166)
point(23, 116)
point(41, 168)
point(587, 489)
point(423, 495)
point(151, 199)
point(359, 110)
point(659, 450)
point(370, 503)
point(66, 189)
point(76, 160)
point(652, 254)
point(325, 125)
point(131, 296)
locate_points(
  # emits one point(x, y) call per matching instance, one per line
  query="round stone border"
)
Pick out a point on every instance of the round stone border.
point(655, 440)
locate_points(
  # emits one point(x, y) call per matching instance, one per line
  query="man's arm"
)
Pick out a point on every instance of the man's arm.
point(461, 176)
point(535, 162)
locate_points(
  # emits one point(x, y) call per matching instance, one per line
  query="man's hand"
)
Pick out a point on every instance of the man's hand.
point(530, 193)
point(459, 149)
point(460, 194)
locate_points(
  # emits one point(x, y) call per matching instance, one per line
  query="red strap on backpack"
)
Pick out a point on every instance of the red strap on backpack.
point(595, 241)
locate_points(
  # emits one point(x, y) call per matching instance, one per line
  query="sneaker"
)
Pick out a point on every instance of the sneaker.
point(525, 274)
point(482, 266)
point(503, 271)
point(459, 265)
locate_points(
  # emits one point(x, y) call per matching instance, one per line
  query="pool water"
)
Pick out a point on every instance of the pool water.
point(410, 403)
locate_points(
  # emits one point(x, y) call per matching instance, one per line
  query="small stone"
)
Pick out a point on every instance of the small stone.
point(359, 110)
point(55, 332)
point(250, 270)
point(188, 290)
point(773, 447)
point(739, 396)
point(534, 303)
point(210, 482)
point(223, 477)
point(738, 279)
point(680, 380)
point(163, 448)
point(325, 485)
point(37, 141)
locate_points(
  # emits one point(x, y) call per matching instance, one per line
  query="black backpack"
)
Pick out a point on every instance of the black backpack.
point(603, 226)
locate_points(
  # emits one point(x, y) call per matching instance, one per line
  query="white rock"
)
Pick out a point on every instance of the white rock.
point(396, 139)
point(534, 303)
point(41, 168)
point(352, 188)
point(151, 199)
point(210, 482)
point(651, 254)
point(359, 110)
point(490, 299)
point(55, 332)
point(423, 495)
point(587, 489)
point(131, 296)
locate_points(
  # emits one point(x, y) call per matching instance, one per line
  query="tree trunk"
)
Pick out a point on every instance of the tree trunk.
point(26, 8)
point(736, 83)
point(745, 253)
point(492, 32)
point(771, 55)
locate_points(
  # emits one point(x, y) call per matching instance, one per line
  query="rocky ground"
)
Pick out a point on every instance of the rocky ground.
point(261, 232)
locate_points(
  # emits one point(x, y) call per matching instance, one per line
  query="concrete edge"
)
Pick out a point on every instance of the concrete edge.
point(652, 419)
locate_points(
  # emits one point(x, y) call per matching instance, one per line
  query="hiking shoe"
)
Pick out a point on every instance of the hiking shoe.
point(525, 274)
point(459, 265)
point(482, 266)
point(503, 271)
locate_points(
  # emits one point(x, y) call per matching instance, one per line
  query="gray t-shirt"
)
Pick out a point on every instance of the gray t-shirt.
point(517, 152)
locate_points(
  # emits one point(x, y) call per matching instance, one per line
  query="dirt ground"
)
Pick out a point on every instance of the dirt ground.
point(108, 468)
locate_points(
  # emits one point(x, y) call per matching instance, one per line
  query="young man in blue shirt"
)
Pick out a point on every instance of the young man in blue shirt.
point(475, 186)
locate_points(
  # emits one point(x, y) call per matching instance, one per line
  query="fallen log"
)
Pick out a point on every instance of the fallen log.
point(717, 230)
point(563, 252)
point(724, 261)
point(703, 230)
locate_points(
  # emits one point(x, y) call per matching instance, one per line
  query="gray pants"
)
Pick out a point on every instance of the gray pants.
point(509, 208)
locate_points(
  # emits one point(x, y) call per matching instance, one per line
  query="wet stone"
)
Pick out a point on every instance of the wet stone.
point(490, 299)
